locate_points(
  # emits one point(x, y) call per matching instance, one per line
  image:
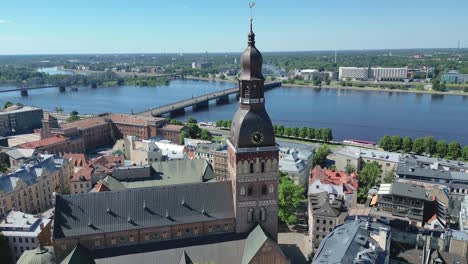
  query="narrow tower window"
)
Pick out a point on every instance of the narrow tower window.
point(242, 190)
point(263, 167)
point(249, 191)
point(251, 168)
point(262, 214)
point(250, 215)
point(264, 190)
point(271, 188)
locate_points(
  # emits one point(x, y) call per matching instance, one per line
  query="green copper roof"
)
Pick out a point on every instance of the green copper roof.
point(39, 255)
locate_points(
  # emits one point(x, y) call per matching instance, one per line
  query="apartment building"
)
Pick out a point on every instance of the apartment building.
point(30, 188)
point(25, 232)
point(19, 119)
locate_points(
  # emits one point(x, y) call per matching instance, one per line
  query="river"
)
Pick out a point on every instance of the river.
point(366, 115)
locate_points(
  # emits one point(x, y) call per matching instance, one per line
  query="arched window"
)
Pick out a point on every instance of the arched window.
point(251, 168)
point(264, 190)
point(242, 190)
point(271, 188)
point(263, 167)
point(250, 215)
point(262, 214)
point(250, 191)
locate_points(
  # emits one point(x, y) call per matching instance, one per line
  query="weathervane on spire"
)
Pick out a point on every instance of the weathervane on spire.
point(251, 6)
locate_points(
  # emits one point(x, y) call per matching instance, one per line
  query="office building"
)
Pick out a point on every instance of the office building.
point(373, 73)
point(19, 119)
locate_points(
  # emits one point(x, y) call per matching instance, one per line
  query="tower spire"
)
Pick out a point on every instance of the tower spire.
point(251, 34)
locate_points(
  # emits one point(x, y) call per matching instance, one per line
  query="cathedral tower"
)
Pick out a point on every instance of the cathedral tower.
point(253, 154)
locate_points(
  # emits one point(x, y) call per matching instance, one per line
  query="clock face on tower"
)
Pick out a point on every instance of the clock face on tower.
point(256, 137)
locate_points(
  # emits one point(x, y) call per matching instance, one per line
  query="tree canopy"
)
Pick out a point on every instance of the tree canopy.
point(290, 195)
point(368, 178)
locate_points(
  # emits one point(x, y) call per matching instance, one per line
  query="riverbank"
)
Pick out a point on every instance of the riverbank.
point(372, 89)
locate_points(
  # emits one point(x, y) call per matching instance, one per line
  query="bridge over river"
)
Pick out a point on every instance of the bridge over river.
point(197, 103)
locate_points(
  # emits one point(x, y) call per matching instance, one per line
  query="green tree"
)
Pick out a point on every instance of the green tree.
point(327, 135)
point(311, 133)
point(73, 116)
point(175, 122)
point(303, 132)
point(367, 179)
point(453, 150)
point(441, 148)
point(407, 145)
point(74, 112)
point(191, 120)
point(318, 134)
point(430, 145)
point(4, 250)
point(280, 130)
point(184, 134)
point(396, 143)
point(418, 146)
point(193, 130)
point(288, 132)
point(219, 123)
point(389, 176)
point(206, 135)
point(320, 155)
point(7, 104)
point(295, 131)
point(290, 195)
point(465, 153)
point(3, 167)
point(386, 143)
point(349, 168)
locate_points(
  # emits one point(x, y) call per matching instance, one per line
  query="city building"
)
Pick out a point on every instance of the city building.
point(438, 174)
point(463, 218)
point(141, 152)
point(56, 144)
point(309, 74)
point(358, 157)
point(177, 216)
point(337, 184)
point(19, 119)
point(95, 131)
point(171, 132)
point(201, 65)
point(454, 77)
point(25, 232)
point(355, 242)
point(373, 73)
point(220, 164)
point(296, 163)
point(19, 156)
point(403, 200)
point(324, 215)
point(30, 188)
point(140, 126)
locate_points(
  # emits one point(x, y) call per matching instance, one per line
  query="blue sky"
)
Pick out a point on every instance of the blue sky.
point(137, 26)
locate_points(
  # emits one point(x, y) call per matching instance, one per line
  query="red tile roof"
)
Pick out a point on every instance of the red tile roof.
point(130, 119)
point(78, 159)
point(100, 187)
point(44, 142)
point(86, 123)
point(335, 178)
point(171, 127)
point(83, 174)
point(108, 161)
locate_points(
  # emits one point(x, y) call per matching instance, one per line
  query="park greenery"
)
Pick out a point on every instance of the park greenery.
point(425, 146)
point(290, 195)
point(320, 155)
point(367, 179)
point(310, 133)
point(8, 104)
point(223, 124)
point(74, 116)
point(193, 130)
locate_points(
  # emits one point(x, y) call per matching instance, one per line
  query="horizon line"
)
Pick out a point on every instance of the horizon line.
point(231, 52)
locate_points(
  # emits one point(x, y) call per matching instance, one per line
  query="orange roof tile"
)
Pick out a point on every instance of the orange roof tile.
point(100, 187)
point(130, 119)
point(172, 127)
point(86, 123)
point(78, 159)
point(44, 142)
point(334, 177)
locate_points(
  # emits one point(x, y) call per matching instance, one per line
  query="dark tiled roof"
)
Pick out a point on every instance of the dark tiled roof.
point(83, 214)
point(79, 255)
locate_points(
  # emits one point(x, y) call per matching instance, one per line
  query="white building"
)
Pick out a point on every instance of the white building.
point(25, 231)
point(373, 73)
point(464, 215)
point(309, 74)
point(296, 163)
